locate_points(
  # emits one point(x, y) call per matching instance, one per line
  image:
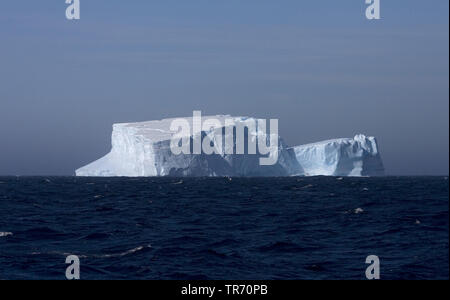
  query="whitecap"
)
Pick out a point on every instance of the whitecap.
point(58, 253)
point(359, 210)
point(120, 254)
point(4, 234)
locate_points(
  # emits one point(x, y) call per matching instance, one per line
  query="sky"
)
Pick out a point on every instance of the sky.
point(320, 67)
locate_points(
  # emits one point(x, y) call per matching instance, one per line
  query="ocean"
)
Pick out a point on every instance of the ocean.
point(224, 228)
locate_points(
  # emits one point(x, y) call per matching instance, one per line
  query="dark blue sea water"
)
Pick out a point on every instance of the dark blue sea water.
point(216, 228)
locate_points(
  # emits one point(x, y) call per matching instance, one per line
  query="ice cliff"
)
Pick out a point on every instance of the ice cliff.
point(341, 157)
point(143, 149)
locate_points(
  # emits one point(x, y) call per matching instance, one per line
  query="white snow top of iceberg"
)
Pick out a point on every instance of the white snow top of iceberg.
point(159, 130)
point(143, 149)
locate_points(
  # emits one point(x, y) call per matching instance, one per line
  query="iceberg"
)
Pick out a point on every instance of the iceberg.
point(144, 150)
point(341, 157)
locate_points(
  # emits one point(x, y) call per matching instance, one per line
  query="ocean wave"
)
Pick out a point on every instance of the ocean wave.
point(217, 229)
point(109, 255)
point(125, 253)
point(359, 210)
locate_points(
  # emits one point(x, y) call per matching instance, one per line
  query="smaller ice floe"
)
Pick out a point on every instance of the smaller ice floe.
point(5, 234)
point(417, 222)
point(365, 189)
point(98, 196)
point(359, 210)
point(179, 182)
point(339, 178)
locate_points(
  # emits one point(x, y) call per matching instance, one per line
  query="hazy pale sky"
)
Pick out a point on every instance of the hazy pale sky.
point(319, 67)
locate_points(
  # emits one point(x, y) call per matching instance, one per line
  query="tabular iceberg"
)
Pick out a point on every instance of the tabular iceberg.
point(144, 149)
point(341, 157)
